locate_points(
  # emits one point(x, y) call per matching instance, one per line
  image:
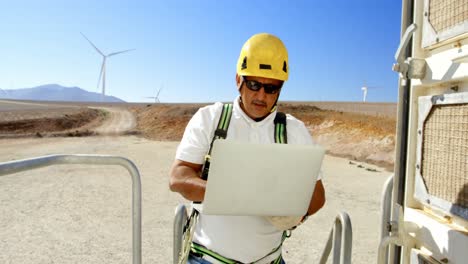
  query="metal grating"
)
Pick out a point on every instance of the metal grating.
point(444, 165)
point(445, 14)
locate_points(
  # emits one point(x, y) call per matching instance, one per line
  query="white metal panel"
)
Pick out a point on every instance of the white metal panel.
point(443, 239)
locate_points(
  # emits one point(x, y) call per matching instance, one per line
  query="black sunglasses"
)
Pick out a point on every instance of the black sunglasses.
point(268, 88)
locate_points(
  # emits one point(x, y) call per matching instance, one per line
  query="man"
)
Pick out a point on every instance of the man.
point(262, 69)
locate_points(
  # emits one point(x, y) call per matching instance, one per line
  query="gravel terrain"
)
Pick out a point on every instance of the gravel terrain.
point(81, 214)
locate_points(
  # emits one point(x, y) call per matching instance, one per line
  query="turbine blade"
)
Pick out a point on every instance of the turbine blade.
point(157, 95)
point(100, 52)
point(102, 71)
point(119, 52)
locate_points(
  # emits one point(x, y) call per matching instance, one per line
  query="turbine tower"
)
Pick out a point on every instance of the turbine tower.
point(364, 89)
point(103, 67)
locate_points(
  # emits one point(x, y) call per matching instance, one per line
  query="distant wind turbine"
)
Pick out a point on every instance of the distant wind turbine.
point(156, 98)
point(364, 89)
point(103, 67)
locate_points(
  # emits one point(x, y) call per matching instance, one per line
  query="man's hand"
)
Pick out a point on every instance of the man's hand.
point(318, 198)
point(316, 202)
point(185, 179)
point(284, 222)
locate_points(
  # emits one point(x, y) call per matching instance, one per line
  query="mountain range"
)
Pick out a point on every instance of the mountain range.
point(55, 92)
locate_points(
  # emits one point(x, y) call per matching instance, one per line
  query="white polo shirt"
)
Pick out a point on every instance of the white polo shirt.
point(243, 238)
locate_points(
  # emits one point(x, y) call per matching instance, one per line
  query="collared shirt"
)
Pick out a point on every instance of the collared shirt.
point(243, 238)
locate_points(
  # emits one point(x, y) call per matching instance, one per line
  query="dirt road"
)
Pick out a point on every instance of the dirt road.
point(81, 214)
point(119, 121)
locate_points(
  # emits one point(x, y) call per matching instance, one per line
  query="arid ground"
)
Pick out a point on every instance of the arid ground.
point(81, 214)
point(359, 137)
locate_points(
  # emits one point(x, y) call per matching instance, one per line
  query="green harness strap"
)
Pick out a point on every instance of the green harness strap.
point(224, 120)
point(220, 133)
point(281, 134)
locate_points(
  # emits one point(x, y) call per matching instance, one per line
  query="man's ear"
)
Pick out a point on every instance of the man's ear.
point(238, 81)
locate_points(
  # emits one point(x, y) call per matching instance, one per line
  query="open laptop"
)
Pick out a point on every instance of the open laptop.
point(261, 179)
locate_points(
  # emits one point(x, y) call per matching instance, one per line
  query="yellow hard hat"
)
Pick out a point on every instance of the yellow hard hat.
point(263, 55)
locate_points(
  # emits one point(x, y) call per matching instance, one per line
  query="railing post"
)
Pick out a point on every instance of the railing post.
point(386, 211)
point(337, 233)
point(327, 249)
point(341, 237)
point(179, 222)
point(346, 238)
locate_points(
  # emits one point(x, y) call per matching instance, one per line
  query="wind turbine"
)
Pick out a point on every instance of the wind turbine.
point(156, 98)
point(364, 89)
point(103, 67)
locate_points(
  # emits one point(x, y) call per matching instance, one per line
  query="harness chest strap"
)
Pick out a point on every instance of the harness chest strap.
point(280, 133)
point(220, 133)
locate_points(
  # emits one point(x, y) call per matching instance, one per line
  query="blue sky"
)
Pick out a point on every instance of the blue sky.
point(191, 47)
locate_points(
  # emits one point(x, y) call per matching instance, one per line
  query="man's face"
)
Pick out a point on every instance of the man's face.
point(257, 104)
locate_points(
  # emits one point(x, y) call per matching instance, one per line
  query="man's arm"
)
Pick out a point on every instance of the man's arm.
point(184, 179)
point(318, 198)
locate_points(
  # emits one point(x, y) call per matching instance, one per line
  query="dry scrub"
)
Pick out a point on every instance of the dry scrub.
point(355, 136)
point(164, 122)
point(51, 122)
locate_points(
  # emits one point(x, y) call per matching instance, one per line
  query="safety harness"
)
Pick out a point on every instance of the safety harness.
point(280, 136)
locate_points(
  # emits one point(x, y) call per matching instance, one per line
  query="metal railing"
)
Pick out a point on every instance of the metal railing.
point(45, 161)
point(386, 245)
point(341, 239)
point(179, 221)
point(386, 211)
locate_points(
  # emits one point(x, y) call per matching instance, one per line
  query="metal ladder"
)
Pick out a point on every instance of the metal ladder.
point(11, 167)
